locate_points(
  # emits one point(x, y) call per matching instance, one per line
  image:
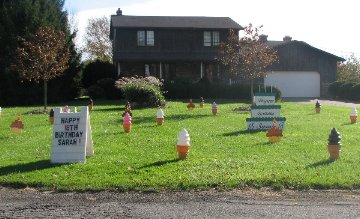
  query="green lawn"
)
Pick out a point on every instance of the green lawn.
point(223, 154)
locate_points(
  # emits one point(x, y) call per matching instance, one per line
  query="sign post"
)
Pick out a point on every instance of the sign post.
point(72, 138)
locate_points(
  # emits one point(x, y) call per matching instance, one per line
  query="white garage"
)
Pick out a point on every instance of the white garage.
point(295, 83)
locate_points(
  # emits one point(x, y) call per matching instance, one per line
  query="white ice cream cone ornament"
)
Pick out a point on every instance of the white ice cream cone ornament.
point(214, 108)
point(353, 115)
point(0, 112)
point(160, 117)
point(183, 144)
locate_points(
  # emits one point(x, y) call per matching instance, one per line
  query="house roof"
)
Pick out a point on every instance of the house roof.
point(127, 21)
point(279, 44)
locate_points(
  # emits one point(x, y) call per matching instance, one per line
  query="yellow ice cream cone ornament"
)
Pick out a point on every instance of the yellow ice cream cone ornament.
point(274, 134)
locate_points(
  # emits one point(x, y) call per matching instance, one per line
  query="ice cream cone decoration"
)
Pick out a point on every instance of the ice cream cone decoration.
point(202, 102)
point(66, 109)
point(183, 144)
point(191, 105)
point(274, 134)
point(160, 117)
point(51, 115)
point(127, 122)
point(214, 108)
point(17, 126)
point(0, 112)
point(334, 144)
point(90, 104)
point(127, 109)
point(317, 107)
point(353, 115)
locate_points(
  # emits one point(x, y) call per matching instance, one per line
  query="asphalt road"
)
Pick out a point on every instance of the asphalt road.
point(245, 203)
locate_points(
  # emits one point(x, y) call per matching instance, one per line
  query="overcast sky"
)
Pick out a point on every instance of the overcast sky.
point(330, 25)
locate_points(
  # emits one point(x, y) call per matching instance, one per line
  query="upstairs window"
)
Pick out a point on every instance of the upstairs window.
point(211, 38)
point(145, 38)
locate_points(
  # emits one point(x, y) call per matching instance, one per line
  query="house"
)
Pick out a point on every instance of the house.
point(169, 47)
point(302, 70)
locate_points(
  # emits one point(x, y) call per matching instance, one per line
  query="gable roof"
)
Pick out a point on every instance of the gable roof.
point(127, 21)
point(279, 44)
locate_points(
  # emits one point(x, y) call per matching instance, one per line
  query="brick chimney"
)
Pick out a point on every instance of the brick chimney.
point(119, 12)
point(287, 38)
point(263, 38)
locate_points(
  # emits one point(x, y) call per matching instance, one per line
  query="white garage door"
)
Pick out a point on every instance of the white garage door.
point(295, 84)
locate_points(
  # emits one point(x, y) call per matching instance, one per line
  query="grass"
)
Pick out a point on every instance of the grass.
point(223, 154)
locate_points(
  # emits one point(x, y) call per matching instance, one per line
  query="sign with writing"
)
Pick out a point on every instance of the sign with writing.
point(265, 123)
point(262, 99)
point(265, 111)
point(72, 138)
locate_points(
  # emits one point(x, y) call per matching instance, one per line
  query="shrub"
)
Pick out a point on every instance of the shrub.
point(95, 71)
point(110, 91)
point(95, 91)
point(355, 92)
point(334, 88)
point(145, 91)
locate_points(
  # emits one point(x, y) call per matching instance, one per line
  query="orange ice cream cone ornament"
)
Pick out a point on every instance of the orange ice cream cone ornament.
point(334, 144)
point(353, 115)
point(202, 102)
point(191, 105)
point(127, 123)
point(17, 126)
point(214, 108)
point(51, 115)
point(274, 134)
point(160, 117)
point(183, 144)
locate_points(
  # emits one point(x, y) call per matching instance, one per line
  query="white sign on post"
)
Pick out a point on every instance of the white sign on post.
point(72, 139)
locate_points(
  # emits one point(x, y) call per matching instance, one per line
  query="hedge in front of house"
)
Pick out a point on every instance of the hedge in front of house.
point(345, 90)
point(181, 90)
point(145, 91)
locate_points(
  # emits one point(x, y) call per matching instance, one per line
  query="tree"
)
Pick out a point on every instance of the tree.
point(97, 40)
point(22, 19)
point(247, 57)
point(349, 70)
point(43, 56)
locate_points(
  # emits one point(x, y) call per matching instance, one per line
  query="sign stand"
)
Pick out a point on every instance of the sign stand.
point(72, 137)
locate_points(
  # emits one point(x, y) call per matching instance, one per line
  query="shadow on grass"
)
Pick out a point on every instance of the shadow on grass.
point(176, 117)
point(27, 167)
point(117, 109)
point(159, 163)
point(348, 123)
point(320, 163)
point(242, 132)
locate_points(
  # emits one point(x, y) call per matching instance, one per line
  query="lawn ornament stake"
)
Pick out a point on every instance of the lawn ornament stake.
point(183, 144)
point(214, 108)
point(160, 117)
point(17, 126)
point(353, 115)
point(127, 122)
point(274, 134)
point(317, 107)
point(334, 144)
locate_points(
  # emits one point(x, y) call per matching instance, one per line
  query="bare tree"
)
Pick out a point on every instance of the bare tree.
point(247, 56)
point(97, 40)
point(42, 56)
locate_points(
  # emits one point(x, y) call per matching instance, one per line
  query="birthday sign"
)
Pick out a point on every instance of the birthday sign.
point(72, 138)
point(266, 99)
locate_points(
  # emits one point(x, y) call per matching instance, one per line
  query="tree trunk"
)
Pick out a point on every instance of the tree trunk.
point(252, 91)
point(45, 94)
